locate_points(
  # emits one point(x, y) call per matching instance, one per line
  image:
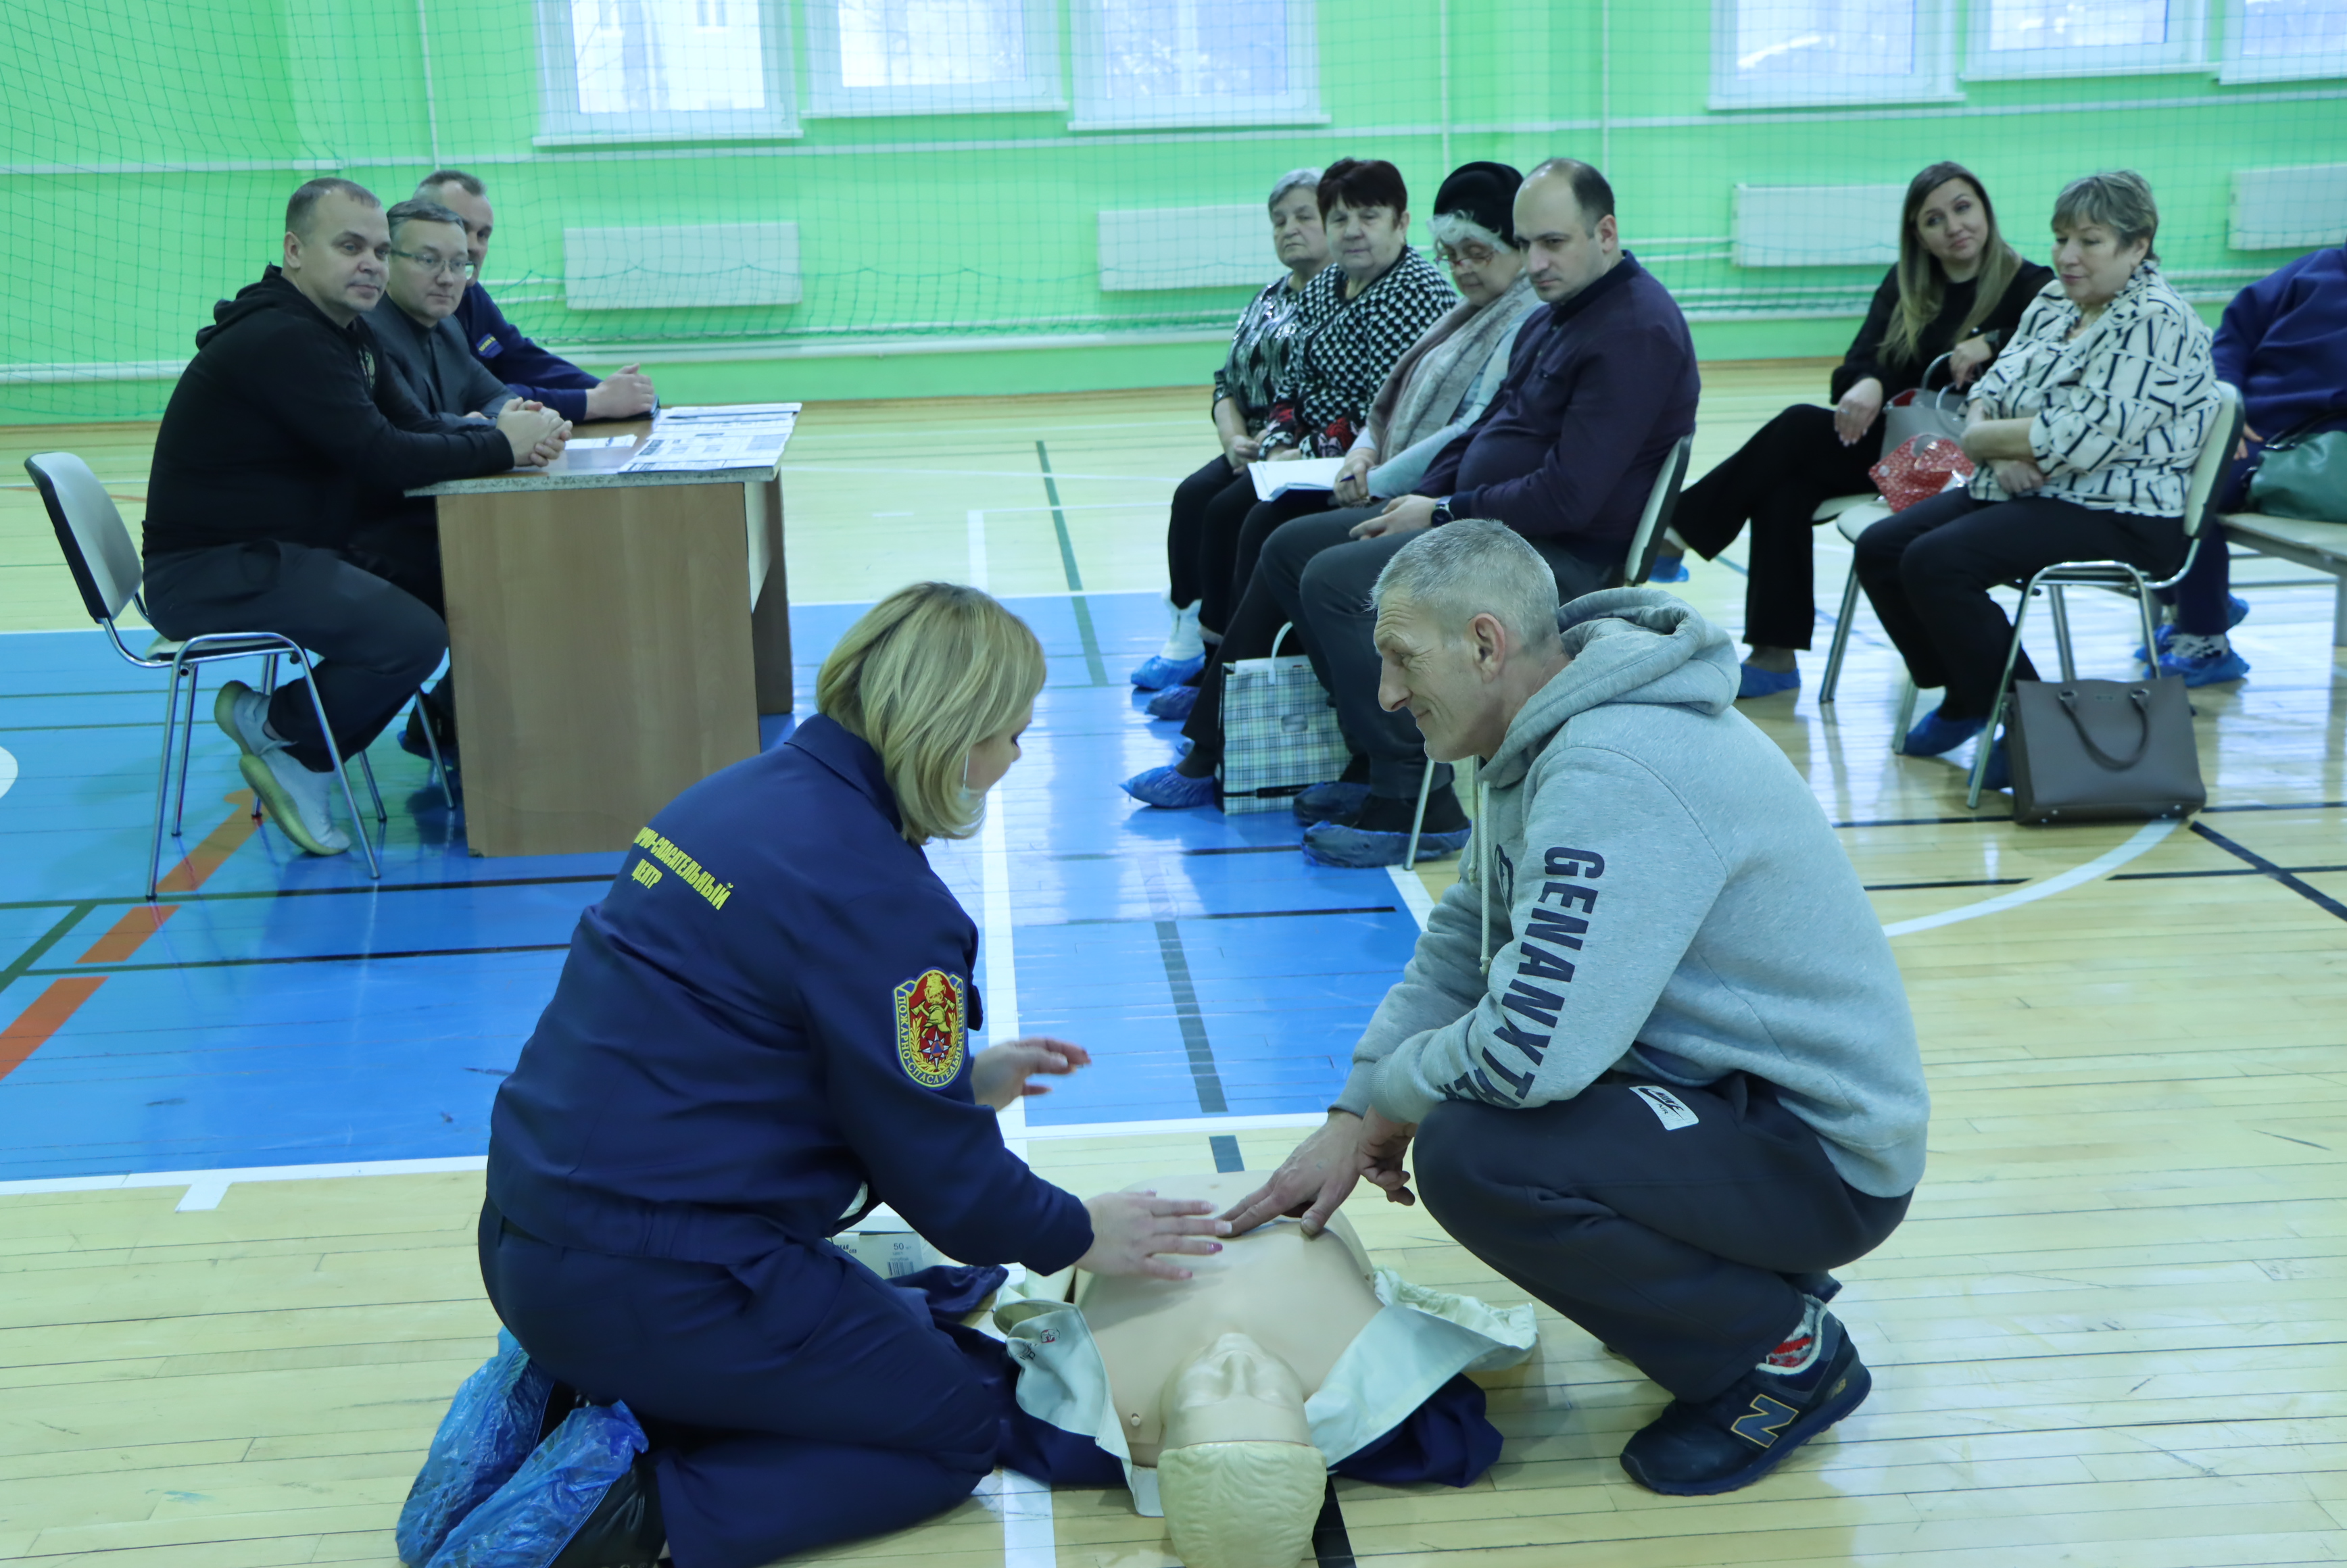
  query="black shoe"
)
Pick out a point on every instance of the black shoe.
point(1391, 814)
point(1330, 802)
point(625, 1530)
point(1734, 1440)
point(412, 741)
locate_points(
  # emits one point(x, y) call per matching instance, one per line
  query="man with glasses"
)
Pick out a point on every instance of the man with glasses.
point(430, 264)
point(532, 372)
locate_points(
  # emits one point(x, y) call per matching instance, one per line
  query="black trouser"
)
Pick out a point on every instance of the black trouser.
point(1673, 1246)
point(792, 1399)
point(1775, 481)
point(376, 643)
point(405, 546)
point(1928, 570)
point(1185, 530)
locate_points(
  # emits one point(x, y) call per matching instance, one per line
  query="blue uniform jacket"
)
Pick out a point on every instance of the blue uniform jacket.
point(768, 1013)
point(532, 372)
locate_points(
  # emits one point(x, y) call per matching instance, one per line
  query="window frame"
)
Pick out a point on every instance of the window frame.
point(2234, 67)
point(1932, 81)
point(829, 97)
point(1096, 108)
point(2187, 52)
point(562, 123)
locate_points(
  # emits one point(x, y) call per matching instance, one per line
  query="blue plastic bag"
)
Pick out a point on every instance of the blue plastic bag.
point(533, 1516)
point(490, 1427)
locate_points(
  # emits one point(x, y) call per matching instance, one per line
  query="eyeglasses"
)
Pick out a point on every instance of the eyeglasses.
point(1473, 255)
point(433, 264)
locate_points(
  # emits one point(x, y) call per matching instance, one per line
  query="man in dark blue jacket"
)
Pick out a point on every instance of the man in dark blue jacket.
point(532, 372)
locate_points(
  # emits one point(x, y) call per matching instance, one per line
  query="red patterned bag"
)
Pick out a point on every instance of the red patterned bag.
point(1919, 470)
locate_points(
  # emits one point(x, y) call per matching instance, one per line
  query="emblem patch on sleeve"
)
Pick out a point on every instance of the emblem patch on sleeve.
point(931, 1012)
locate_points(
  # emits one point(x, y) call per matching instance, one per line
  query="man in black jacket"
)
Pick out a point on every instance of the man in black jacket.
point(286, 429)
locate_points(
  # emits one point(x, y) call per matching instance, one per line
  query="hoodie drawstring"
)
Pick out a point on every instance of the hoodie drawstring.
point(1483, 870)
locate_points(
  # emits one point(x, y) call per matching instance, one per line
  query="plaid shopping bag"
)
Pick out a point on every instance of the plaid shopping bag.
point(1279, 733)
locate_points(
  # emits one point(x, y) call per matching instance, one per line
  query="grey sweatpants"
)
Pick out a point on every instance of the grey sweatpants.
point(1678, 1231)
point(376, 643)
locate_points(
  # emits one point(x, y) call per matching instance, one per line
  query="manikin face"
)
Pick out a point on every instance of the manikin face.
point(1296, 233)
point(2092, 263)
point(991, 758)
point(1233, 1390)
point(1366, 240)
point(1953, 224)
point(429, 268)
point(475, 211)
point(1446, 683)
point(1481, 271)
point(1564, 254)
point(339, 264)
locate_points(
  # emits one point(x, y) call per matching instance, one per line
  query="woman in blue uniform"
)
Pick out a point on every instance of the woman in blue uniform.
point(761, 1033)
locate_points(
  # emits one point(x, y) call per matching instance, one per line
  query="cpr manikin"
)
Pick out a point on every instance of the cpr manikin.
point(1229, 1394)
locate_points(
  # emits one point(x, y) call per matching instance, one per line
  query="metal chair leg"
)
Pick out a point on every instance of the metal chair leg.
point(1425, 790)
point(440, 763)
point(269, 676)
point(2061, 610)
point(1840, 636)
point(1908, 693)
point(1996, 708)
point(162, 785)
point(367, 768)
point(334, 759)
point(2150, 642)
point(187, 737)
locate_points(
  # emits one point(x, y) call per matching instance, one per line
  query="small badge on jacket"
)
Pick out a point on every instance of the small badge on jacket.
point(929, 1027)
point(1668, 1108)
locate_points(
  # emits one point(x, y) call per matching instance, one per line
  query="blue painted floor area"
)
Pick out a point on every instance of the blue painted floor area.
point(290, 1012)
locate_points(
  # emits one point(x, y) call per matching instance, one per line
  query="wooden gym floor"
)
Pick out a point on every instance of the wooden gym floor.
point(2110, 1332)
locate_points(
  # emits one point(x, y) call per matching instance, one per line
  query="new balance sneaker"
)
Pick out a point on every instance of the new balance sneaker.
point(1734, 1439)
point(242, 714)
point(1755, 681)
point(1378, 834)
point(1934, 735)
point(2206, 669)
point(1170, 788)
point(301, 802)
point(1174, 703)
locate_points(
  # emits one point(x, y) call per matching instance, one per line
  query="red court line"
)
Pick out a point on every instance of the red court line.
point(54, 1005)
point(44, 1017)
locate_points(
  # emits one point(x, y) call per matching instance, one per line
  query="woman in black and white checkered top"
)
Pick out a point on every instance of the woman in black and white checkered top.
point(2086, 431)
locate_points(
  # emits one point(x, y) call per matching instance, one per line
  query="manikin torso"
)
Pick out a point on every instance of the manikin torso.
point(1302, 1299)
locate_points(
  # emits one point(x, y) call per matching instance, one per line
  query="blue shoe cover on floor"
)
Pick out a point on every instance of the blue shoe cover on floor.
point(1174, 703)
point(1934, 736)
point(490, 1427)
point(1157, 672)
point(1168, 788)
point(533, 1516)
point(1343, 844)
point(2214, 669)
point(2237, 609)
point(1669, 569)
point(1755, 681)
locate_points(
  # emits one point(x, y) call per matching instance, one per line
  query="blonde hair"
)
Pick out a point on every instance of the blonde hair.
point(929, 672)
point(1242, 1505)
point(1923, 283)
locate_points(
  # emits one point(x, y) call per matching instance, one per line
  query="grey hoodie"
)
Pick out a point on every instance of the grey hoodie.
point(1657, 891)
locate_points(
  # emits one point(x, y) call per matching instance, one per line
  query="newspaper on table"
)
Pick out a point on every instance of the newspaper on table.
point(697, 439)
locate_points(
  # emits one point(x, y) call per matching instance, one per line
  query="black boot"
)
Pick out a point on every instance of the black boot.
point(625, 1530)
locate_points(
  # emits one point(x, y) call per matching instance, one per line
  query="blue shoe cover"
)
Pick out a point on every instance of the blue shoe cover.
point(1167, 787)
point(1755, 681)
point(1157, 672)
point(533, 1516)
point(2236, 611)
point(1669, 569)
point(1934, 735)
point(1356, 848)
point(1174, 703)
point(490, 1427)
point(2208, 671)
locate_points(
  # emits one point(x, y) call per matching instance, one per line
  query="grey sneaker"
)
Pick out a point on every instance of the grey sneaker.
point(242, 714)
point(300, 802)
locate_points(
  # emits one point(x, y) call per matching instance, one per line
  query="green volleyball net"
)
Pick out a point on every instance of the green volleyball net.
point(737, 178)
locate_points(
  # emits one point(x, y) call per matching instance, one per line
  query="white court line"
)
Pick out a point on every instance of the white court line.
point(1001, 958)
point(1024, 1506)
point(205, 1187)
point(2102, 865)
point(1414, 896)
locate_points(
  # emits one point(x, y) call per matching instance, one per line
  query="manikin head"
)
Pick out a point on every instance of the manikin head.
point(1238, 1476)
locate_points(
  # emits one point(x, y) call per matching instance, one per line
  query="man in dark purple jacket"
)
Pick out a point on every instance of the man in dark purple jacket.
point(532, 372)
point(1598, 391)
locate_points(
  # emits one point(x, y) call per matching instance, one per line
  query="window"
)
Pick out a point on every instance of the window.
point(933, 56)
point(1195, 62)
point(633, 71)
point(2269, 39)
point(1776, 52)
point(2084, 37)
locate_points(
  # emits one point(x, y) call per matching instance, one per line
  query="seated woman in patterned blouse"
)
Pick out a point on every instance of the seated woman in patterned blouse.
point(2086, 431)
point(1243, 390)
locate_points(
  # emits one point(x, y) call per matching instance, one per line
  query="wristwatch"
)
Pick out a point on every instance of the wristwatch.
point(1442, 513)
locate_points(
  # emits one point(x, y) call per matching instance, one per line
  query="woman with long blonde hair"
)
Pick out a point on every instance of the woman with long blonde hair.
point(760, 1034)
point(1957, 291)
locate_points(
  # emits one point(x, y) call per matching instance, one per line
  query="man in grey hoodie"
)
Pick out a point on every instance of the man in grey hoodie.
point(1652, 1047)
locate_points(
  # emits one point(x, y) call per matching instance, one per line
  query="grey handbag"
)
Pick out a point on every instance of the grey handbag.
point(2103, 750)
point(1916, 411)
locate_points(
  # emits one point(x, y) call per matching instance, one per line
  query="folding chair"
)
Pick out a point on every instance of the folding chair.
point(2118, 576)
point(106, 570)
point(1637, 564)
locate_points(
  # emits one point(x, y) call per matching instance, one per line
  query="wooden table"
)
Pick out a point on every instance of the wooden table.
point(614, 637)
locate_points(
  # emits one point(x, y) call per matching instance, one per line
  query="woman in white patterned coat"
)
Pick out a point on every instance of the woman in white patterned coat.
point(2086, 431)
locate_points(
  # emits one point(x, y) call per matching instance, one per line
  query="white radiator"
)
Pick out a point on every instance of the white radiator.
point(1186, 247)
point(1817, 225)
point(688, 264)
point(2301, 209)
